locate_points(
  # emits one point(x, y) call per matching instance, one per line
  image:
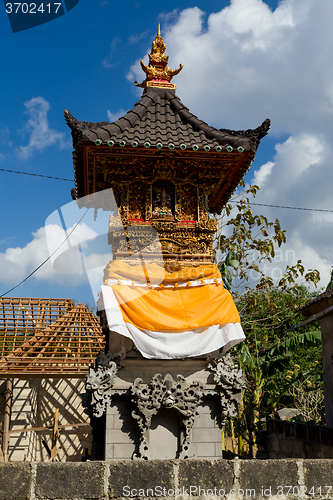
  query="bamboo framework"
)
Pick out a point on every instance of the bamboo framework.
point(47, 338)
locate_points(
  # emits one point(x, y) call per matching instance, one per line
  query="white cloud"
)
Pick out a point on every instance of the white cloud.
point(246, 63)
point(261, 175)
point(134, 39)
point(5, 137)
point(300, 176)
point(41, 135)
point(17, 263)
point(110, 61)
point(112, 117)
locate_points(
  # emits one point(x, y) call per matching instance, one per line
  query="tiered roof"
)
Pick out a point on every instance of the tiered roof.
point(160, 118)
point(162, 124)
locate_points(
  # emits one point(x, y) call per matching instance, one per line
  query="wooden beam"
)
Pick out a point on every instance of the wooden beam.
point(27, 429)
point(1, 454)
point(6, 420)
point(55, 436)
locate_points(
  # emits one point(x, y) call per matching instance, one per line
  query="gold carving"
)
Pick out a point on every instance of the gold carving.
point(162, 200)
point(158, 73)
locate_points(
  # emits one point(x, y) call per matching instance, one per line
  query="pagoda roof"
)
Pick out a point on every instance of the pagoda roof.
point(160, 118)
point(159, 124)
point(47, 338)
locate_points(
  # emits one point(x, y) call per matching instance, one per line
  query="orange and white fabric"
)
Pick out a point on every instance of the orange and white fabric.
point(173, 314)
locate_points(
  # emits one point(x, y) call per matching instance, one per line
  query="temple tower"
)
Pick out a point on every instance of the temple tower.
point(165, 384)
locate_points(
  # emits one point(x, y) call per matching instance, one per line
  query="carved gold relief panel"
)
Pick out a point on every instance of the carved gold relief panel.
point(136, 201)
point(148, 201)
point(189, 202)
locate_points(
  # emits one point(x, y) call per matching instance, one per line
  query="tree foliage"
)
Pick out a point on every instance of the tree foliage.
point(282, 367)
point(253, 241)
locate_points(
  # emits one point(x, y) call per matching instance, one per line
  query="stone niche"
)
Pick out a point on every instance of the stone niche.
point(146, 409)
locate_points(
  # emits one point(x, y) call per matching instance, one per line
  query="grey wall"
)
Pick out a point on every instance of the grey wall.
point(296, 440)
point(223, 479)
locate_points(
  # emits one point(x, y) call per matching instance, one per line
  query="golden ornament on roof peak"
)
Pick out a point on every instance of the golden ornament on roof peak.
point(157, 71)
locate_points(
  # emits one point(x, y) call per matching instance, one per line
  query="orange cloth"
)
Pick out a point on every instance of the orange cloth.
point(176, 309)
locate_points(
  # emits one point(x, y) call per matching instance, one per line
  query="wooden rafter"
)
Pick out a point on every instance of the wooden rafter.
point(49, 338)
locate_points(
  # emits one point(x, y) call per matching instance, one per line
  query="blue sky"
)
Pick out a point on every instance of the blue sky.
point(244, 61)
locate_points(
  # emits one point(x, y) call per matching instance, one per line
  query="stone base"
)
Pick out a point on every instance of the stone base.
point(161, 409)
point(122, 436)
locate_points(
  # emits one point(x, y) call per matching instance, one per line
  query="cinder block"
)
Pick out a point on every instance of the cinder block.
point(323, 452)
point(139, 475)
point(207, 435)
point(202, 450)
point(118, 436)
point(318, 473)
point(218, 450)
point(285, 445)
point(112, 410)
point(297, 448)
point(124, 422)
point(124, 451)
point(64, 481)
point(260, 474)
point(109, 452)
point(311, 449)
point(15, 481)
point(109, 421)
point(204, 420)
point(206, 474)
point(275, 443)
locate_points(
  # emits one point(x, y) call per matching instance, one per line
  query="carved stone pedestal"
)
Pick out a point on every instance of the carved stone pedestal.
point(148, 409)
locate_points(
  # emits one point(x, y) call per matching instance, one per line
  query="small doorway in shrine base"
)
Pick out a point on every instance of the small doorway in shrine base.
point(164, 434)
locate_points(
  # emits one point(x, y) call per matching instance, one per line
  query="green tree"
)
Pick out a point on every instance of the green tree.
point(281, 366)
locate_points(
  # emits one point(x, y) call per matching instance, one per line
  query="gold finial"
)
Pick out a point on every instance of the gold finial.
point(157, 71)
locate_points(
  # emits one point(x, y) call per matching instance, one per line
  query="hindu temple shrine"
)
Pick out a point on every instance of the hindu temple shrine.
point(165, 384)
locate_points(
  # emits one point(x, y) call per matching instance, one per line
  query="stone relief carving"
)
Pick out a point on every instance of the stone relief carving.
point(99, 382)
point(165, 393)
point(230, 381)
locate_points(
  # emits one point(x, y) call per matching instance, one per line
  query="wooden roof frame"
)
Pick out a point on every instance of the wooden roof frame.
point(47, 338)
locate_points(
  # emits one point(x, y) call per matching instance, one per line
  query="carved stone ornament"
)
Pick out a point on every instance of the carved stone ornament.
point(230, 381)
point(99, 382)
point(165, 393)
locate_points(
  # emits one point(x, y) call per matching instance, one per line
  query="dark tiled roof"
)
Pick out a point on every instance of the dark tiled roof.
point(160, 117)
point(317, 305)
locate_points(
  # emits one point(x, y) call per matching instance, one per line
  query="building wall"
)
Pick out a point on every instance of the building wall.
point(34, 405)
point(296, 440)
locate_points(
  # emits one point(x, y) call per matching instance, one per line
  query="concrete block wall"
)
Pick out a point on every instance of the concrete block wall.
point(206, 442)
point(122, 432)
point(34, 404)
point(288, 479)
point(297, 440)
